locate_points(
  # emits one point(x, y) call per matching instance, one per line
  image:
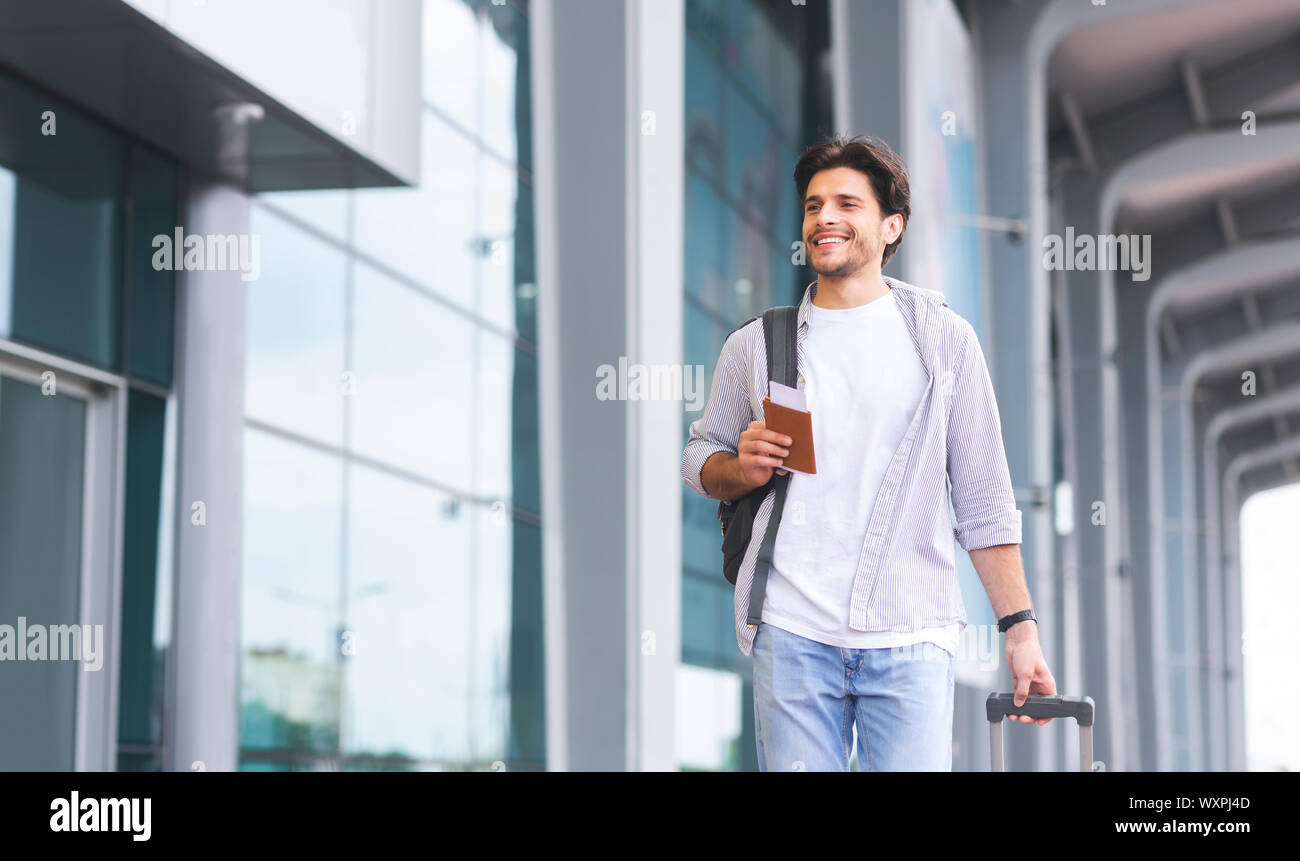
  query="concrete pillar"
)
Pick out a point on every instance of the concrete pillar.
point(210, 389)
point(609, 154)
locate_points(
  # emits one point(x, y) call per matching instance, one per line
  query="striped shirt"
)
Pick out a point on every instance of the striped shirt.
point(906, 576)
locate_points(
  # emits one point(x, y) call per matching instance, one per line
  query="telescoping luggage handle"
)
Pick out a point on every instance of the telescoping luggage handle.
point(1082, 709)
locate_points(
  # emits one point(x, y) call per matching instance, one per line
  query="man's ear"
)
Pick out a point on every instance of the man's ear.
point(895, 220)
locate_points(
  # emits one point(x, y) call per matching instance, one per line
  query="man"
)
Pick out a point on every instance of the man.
point(862, 610)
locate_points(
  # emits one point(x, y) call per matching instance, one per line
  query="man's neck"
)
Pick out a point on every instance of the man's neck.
point(850, 291)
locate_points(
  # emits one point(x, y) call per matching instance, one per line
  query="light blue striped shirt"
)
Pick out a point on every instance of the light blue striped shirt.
point(906, 577)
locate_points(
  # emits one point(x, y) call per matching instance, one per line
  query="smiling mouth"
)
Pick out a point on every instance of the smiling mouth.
point(830, 244)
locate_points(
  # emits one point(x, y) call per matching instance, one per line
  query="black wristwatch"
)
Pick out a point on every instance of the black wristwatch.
point(1007, 621)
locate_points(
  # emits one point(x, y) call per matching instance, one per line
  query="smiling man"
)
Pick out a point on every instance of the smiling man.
point(861, 608)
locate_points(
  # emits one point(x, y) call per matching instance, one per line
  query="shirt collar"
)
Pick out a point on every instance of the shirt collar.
point(810, 292)
point(920, 322)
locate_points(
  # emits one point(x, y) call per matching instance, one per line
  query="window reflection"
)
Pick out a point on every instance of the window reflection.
point(289, 673)
point(451, 39)
point(428, 233)
point(709, 704)
point(436, 599)
point(67, 194)
point(501, 37)
point(496, 257)
point(744, 114)
point(411, 610)
point(413, 361)
point(294, 331)
point(494, 393)
point(326, 209)
point(42, 471)
point(494, 557)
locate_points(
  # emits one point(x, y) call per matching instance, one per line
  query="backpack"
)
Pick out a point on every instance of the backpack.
point(781, 333)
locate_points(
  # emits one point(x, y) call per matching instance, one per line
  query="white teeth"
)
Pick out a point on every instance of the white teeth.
point(832, 241)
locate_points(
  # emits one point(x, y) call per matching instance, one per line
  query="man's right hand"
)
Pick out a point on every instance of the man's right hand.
point(760, 451)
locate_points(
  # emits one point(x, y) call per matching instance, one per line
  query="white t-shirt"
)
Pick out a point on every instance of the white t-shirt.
point(863, 380)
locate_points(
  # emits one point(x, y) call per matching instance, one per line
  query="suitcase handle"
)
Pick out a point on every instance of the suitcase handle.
point(1081, 709)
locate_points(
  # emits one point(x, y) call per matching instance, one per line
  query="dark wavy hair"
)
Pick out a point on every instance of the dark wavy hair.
point(871, 156)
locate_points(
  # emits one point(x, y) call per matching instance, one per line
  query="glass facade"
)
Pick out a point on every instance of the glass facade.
point(392, 613)
point(79, 205)
point(751, 70)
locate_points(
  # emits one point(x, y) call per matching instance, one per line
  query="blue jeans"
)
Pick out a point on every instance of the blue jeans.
point(807, 696)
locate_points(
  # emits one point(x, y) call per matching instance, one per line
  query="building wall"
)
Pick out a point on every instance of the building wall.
point(348, 66)
point(391, 575)
point(750, 70)
point(388, 585)
point(86, 352)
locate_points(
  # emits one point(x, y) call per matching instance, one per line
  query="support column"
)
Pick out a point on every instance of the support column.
point(609, 176)
point(1013, 155)
point(209, 502)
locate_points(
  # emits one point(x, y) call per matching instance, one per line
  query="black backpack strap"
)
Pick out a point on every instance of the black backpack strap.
point(780, 327)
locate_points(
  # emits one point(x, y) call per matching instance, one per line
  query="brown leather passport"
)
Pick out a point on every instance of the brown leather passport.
point(796, 424)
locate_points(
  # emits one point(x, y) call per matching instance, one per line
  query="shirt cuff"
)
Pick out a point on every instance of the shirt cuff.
point(697, 452)
point(1001, 528)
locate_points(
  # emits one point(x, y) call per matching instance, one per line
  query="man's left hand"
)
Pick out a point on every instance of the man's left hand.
point(1029, 672)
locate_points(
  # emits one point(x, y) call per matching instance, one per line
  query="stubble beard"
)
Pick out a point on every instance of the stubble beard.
point(858, 252)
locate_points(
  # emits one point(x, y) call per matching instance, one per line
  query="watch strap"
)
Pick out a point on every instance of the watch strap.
point(1007, 621)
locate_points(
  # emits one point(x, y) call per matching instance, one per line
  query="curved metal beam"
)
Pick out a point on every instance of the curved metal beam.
point(1243, 463)
point(1052, 24)
point(1188, 154)
point(1251, 412)
point(1057, 19)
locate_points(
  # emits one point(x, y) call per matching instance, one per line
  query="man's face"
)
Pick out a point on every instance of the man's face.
point(842, 226)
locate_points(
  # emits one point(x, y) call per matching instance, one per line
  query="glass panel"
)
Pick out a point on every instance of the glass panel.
point(287, 764)
point(326, 210)
point(289, 630)
point(709, 704)
point(525, 268)
point(701, 533)
point(697, 620)
point(495, 398)
point(138, 762)
point(151, 323)
point(142, 659)
point(428, 233)
point(752, 173)
point(496, 259)
point(411, 614)
point(703, 343)
point(42, 453)
point(61, 229)
point(703, 113)
point(527, 649)
point(451, 41)
point(490, 639)
point(786, 289)
point(527, 475)
point(705, 242)
point(8, 187)
point(503, 31)
point(414, 381)
point(294, 335)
